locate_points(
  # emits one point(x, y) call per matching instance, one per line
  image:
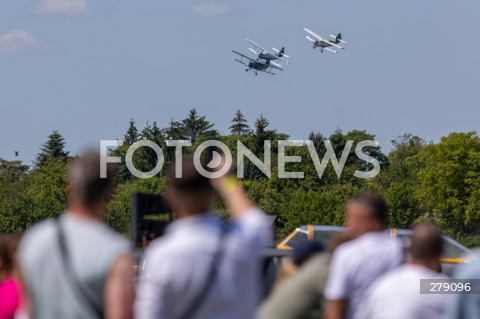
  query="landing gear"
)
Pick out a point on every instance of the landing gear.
point(246, 70)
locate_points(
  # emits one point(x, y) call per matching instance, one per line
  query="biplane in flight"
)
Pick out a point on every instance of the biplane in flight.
point(255, 65)
point(325, 44)
point(269, 56)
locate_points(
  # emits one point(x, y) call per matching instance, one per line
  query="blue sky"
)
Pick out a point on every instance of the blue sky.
point(85, 67)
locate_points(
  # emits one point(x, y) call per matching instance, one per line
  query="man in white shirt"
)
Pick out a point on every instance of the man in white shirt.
point(357, 264)
point(397, 294)
point(199, 269)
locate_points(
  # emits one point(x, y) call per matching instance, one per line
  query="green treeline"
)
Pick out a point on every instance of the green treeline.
point(422, 181)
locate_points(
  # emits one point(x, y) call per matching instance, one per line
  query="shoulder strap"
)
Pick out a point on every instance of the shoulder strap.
point(67, 265)
point(209, 280)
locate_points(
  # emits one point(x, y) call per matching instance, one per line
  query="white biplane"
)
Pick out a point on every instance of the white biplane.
point(269, 56)
point(325, 44)
point(256, 65)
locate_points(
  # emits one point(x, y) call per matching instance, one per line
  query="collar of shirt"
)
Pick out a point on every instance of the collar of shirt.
point(190, 221)
point(374, 235)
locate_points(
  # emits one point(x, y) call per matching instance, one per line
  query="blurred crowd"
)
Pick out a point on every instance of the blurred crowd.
point(75, 266)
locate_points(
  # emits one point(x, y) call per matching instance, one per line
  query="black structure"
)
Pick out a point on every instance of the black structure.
point(150, 217)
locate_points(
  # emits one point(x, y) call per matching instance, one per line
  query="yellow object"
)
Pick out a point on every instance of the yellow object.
point(310, 232)
point(229, 183)
point(283, 245)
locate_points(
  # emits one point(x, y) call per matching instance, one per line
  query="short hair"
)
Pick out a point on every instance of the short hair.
point(426, 242)
point(375, 203)
point(191, 181)
point(85, 183)
point(8, 248)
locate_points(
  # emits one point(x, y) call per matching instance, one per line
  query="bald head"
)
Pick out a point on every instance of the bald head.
point(427, 243)
point(85, 186)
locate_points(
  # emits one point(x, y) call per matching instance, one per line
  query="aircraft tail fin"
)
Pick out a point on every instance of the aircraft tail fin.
point(338, 38)
point(280, 53)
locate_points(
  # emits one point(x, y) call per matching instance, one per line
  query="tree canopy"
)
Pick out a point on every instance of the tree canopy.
point(239, 126)
point(434, 182)
point(54, 148)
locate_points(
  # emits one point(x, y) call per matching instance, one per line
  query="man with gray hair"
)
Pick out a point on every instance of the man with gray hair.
point(74, 266)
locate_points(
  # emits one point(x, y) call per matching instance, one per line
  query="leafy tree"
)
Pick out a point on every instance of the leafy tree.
point(195, 126)
point(145, 158)
point(13, 181)
point(47, 188)
point(437, 182)
point(450, 182)
point(403, 162)
point(400, 180)
point(261, 133)
point(54, 147)
point(131, 136)
point(261, 125)
point(118, 209)
point(317, 139)
point(239, 126)
point(11, 170)
point(339, 140)
point(405, 146)
point(175, 131)
point(36, 196)
point(404, 207)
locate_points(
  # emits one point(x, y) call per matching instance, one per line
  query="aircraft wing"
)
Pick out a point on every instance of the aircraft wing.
point(333, 44)
point(240, 61)
point(314, 34)
point(255, 52)
point(275, 66)
point(310, 39)
point(253, 43)
point(242, 57)
point(278, 51)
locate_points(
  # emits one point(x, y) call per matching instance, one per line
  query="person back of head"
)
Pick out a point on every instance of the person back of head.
point(88, 193)
point(191, 193)
point(305, 251)
point(427, 246)
point(366, 212)
point(8, 249)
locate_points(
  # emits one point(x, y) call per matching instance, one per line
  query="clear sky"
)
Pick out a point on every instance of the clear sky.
point(85, 67)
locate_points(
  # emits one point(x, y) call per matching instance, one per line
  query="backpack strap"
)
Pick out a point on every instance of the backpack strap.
point(69, 271)
point(202, 293)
